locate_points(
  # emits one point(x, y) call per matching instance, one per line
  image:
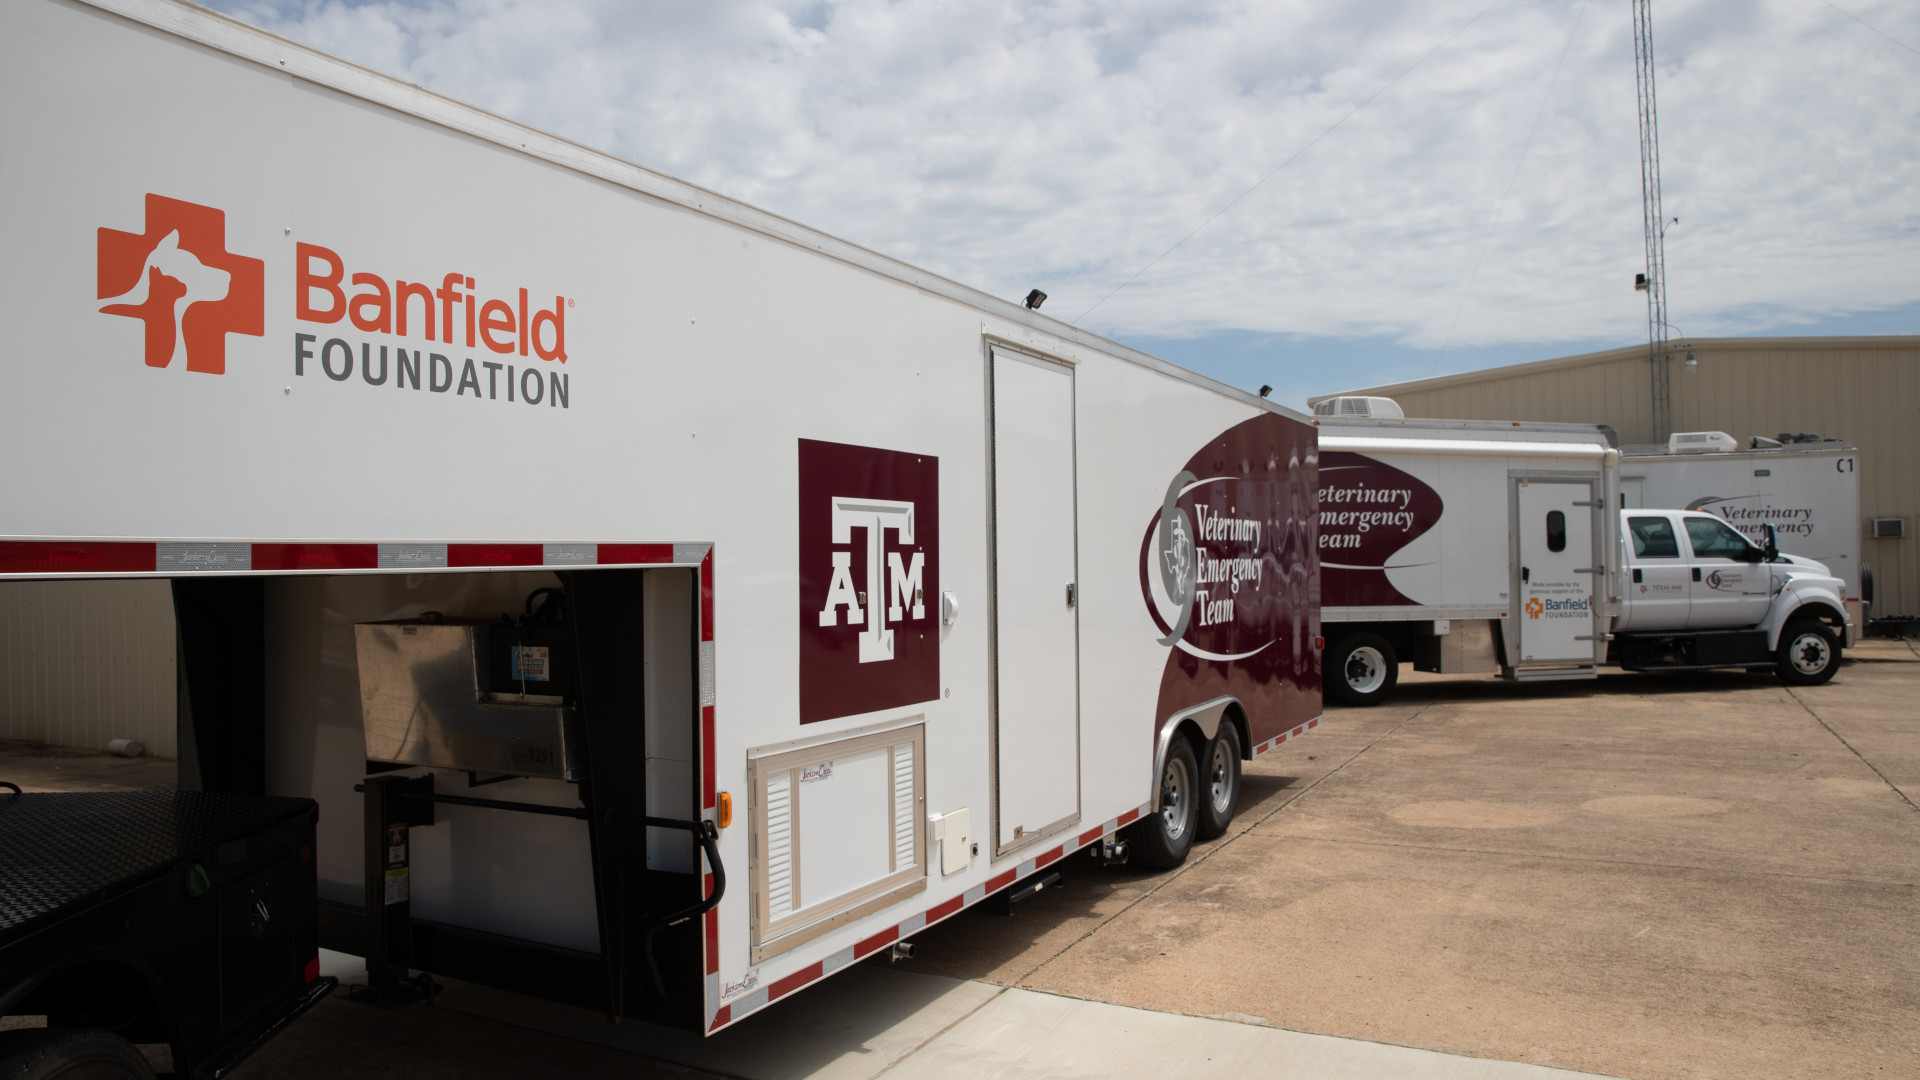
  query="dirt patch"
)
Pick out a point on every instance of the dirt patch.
point(1848, 787)
point(1655, 806)
point(1472, 814)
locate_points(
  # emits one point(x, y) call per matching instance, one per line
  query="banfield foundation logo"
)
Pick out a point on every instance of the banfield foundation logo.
point(178, 277)
point(869, 579)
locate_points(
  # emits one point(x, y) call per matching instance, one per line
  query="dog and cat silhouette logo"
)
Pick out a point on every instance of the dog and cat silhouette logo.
point(178, 277)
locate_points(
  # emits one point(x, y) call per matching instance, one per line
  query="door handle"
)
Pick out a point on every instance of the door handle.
point(1637, 578)
point(1696, 573)
point(1526, 574)
point(1070, 592)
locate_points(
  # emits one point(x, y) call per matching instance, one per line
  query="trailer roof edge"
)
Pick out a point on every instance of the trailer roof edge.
point(224, 34)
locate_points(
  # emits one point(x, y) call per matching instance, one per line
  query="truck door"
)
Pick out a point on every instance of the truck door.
point(1036, 720)
point(1558, 569)
point(1726, 590)
point(1658, 590)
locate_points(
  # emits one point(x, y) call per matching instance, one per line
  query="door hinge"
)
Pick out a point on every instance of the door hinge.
point(1070, 594)
point(1588, 502)
point(1589, 569)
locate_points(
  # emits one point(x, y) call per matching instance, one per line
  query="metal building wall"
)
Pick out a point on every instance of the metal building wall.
point(1864, 390)
point(83, 662)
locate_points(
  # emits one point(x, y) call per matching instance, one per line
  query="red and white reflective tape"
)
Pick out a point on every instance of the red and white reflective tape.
point(1274, 743)
point(122, 558)
point(753, 998)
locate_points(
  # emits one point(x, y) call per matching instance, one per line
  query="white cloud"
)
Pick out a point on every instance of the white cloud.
point(1491, 195)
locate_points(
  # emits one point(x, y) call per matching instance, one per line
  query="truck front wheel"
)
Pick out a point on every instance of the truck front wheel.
point(1361, 669)
point(1809, 653)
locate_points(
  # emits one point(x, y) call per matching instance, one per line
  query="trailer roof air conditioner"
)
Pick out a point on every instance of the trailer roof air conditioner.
point(1700, 442)
point(1359, 406)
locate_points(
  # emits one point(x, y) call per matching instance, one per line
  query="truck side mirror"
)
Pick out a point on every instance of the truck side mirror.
point(1772, 543)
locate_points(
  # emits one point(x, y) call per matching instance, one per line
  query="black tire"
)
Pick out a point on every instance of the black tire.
point(1809, 653)
point(70, 1054)
point(1162, 840)
point(1219, 781)
point(1361, 669)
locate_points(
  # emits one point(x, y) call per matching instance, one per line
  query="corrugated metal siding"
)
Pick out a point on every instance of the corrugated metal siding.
point(1865, 391)
point(82, 662)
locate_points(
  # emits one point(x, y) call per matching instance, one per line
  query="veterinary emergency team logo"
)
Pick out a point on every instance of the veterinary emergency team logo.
point(869, 579)
point(178, 277)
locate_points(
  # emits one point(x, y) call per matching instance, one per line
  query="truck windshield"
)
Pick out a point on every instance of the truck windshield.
point(1715, 539)
point(1653, 538)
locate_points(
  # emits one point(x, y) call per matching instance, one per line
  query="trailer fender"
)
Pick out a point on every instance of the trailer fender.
point(1202, 722)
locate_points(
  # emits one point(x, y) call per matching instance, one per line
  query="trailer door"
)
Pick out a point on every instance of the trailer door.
point(1558, 568)
point(1036, 720)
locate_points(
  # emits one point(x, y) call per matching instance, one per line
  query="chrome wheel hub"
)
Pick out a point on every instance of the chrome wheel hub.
point(1220, 778)
point(1366, 669)
point(1810, 653)
point(1176, 787)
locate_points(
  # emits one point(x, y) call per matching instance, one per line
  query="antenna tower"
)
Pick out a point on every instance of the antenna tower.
point(1655, 218)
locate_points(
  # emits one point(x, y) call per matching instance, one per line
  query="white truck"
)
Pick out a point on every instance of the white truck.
point(1806, 487)
point(1496, 547)
point(667, 605)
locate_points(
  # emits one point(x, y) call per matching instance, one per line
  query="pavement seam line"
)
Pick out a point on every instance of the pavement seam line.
point(1168, 879)
point(1818, 719)
point(998, 992)
point(1555, 857)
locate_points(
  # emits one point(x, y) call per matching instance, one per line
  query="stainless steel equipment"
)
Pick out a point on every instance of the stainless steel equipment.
point(425, 699)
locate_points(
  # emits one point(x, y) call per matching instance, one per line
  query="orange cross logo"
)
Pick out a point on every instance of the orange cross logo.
point(179, 278)
point(1534, 608)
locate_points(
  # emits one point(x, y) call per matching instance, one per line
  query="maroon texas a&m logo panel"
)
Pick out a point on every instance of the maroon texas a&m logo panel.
point(869, 579)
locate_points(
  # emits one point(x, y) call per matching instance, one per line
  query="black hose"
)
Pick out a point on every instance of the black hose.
point(15, 797)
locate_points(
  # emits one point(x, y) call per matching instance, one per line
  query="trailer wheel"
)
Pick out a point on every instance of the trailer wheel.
point(1361, 669)
point(71, 1054)
point(1166, 836)
point(1809, 653)
point(1220, 780)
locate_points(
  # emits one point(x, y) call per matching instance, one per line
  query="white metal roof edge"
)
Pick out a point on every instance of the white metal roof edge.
point(216, 31)
point(1475, 447)
point(1391, 423)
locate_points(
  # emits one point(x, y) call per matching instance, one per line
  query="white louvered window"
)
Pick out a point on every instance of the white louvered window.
point(839, 830)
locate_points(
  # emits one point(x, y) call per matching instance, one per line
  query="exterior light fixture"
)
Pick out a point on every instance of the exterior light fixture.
point(1035, 299)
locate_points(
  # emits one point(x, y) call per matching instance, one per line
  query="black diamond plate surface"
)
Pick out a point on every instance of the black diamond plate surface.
point(63, 848)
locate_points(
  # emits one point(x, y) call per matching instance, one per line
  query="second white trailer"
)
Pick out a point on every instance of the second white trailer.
point(1463, 546)
point(1808, 492)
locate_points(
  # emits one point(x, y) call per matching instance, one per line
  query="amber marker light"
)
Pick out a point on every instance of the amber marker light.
point(723, 810)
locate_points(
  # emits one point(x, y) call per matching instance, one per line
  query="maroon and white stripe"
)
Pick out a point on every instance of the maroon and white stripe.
point(119, 558)
point(1275, 742)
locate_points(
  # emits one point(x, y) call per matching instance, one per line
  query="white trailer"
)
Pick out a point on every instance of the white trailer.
point(1488, 546)
point(1808, 491)
point(703, 603)
point(1429, 554)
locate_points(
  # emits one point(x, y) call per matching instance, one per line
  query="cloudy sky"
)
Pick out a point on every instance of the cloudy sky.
point(1313, 194)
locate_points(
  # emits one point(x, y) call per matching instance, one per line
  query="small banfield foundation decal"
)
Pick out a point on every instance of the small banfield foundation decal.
point(869, 579)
